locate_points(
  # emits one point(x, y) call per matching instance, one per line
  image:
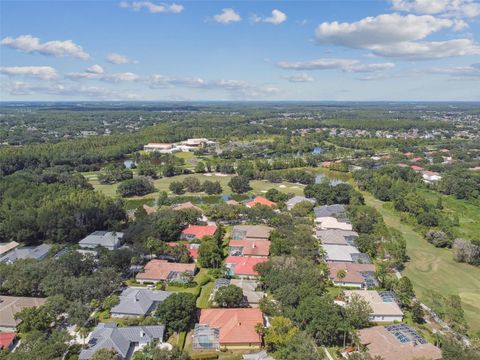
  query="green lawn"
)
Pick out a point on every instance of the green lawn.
point(259, 186)
point(432, 268)
point(202, 301)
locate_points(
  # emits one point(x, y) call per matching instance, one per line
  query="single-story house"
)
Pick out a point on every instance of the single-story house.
point(107, 239)
point(416, 168)
point(431, 176)
point(186, 205)
point(345, 253)
point(251, 232)
point(334, 210)
point(243, 267)
point(230, 328)
point(297, 200)
point(124, 340)
point(253, 248)
point(259, 200)
point(162, 270)
point(192, 248)
point(197, 232)
point(6, 247)
point(10, 305)
point(162, 148)
point(138, 302)
point(337, 237)
point(397, 342)
point(329, 222)
point(260, 355)
point(383, 304)
point(39, 252)
point(356, 275)
point(251, 296)
point(7, 340)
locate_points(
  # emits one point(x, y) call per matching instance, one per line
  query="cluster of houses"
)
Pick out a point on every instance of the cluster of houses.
point(184, 146)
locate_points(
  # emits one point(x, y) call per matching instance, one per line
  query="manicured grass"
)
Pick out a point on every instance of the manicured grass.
point(259, 186)
point(432, 268)
point(202, 301)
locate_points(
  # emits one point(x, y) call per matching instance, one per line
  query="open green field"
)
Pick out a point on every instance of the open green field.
point(259, 186)
point(432, 268)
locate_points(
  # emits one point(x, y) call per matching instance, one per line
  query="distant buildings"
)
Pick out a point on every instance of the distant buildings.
point(259, 200)
point(187, 145)
point(123, 340)
point(108, 240)
point(431, 176)
point(10, 305)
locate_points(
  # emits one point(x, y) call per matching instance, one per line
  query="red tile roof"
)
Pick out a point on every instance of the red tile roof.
point(252, 247)
point(244, 265)
point(158, 270)
point(200, 231)
point(416, 168)
point(192, 248)
point(416, 159)
point(6, 339)
point(260, 200)
point(237, 326)
point(408, 154)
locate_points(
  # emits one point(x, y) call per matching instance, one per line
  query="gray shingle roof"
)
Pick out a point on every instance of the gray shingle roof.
point(107, 239)
point(28, 252)
point(330, 210)
point(337, 237)
point(109, 336)
point(298, 199)
point(138, 302)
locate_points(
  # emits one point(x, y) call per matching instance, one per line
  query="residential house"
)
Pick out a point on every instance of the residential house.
point(251, 232)
point(355, 275)
point(297, 200)
point(6, 247)
point(243, 267)
point(197, 232)
point(253, 248)
point(337, 237)
point(345, 253)
point(10, 305)
point(192, 248)
point(107, 239)
point(149, 210)
point(7, 340)
point(186, 205)
point(249, 288)
point(335, 210)
point(416, 168)
point(259, 200)
point(123, 340)
point(329, 222)
point(397, 342)
point(431, 176)
point(138, 302)
point(228, 328)
point(162, 148)
point(162, 270)
point(383, 304)
point(39, 252)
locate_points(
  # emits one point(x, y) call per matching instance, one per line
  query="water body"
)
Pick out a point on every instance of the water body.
point(128, 163)
point(320, 178)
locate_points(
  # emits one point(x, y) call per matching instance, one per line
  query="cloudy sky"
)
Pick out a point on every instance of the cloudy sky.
point(240, 50)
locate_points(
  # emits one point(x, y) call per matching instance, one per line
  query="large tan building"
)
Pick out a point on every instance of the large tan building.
point(10, 305)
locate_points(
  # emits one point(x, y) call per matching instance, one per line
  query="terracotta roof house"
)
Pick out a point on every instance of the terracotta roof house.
point(253, 248)
point(259, 200)
point(124, 340)
point(383, 304)
point(7, 340)
point(409, 154)
point(356, 275)
point(39, 252)
point(431, 176)
point(198, 232)
point(337, 237)
point(243, 267)
point(10, 305)
point(397, 342)
point(138, 302)
point(107, 239)
point(232, 202)
point(192, 248)
point(416, 159)
point(186, 205)
point(297, 200)
point(416, 168)
point(162, 270)
point(251, 232)
point(6, 247)
point(230, 328)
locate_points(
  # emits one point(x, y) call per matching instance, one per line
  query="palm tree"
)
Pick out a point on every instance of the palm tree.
point(83, 332)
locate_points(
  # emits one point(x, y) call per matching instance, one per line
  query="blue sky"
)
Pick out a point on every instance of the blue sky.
point(240, 50)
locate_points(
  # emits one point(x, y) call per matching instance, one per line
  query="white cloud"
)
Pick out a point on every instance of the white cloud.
point(227, 16)
point(57, 48)
point(276, 18)
point(394, 35)
point(117, 77)
point(41, 72)
point(459, 8)
point(95, 69)
point(299, 77)
point(119, 59)
point(346, 65)
point(472, 70)
point(152, 7)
